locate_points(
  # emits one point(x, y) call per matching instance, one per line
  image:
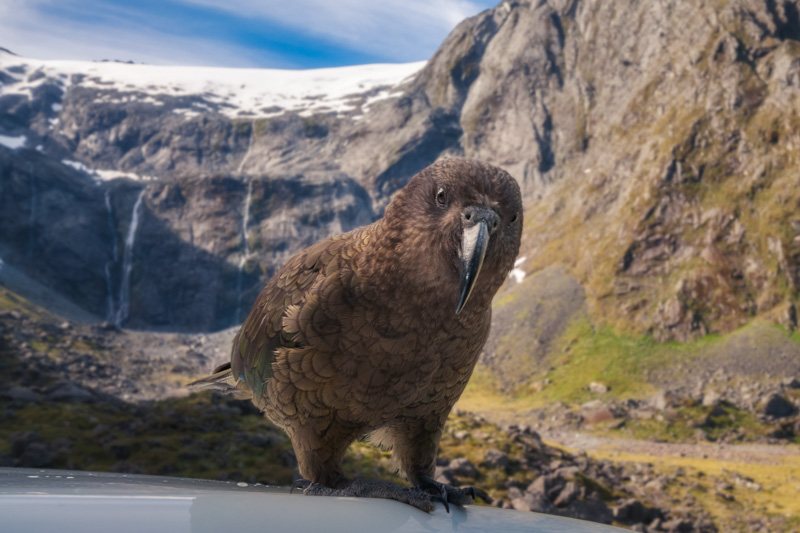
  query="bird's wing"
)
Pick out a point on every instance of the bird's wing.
point(292, 291)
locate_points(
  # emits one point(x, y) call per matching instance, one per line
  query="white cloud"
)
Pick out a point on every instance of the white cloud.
point(392, 29)
point(27, 30)
point(156, 49)
point(387, 27)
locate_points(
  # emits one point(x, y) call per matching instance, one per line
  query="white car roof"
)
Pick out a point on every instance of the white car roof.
point(34, 501)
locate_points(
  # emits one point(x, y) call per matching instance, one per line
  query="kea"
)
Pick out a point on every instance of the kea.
point(376, 332)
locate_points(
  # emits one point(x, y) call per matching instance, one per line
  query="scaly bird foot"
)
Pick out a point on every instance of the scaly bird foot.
point(449, 494)
point(370, 488)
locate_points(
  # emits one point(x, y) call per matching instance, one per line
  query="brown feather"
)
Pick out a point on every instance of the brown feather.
point(358, 334)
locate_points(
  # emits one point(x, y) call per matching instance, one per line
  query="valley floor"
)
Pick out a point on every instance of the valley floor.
point(743, 486)
point(93, 397)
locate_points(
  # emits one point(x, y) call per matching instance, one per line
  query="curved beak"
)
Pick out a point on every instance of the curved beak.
point(473, 249)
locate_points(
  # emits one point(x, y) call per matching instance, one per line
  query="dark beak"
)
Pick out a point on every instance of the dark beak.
point(473, 249)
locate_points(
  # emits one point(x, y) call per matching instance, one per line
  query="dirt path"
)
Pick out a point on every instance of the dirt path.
point(576, 441)
point(767, 454)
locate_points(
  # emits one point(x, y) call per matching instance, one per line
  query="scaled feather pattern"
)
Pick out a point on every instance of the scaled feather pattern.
point(377, 331)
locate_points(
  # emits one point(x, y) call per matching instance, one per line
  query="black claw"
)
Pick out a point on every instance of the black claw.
point(443, 498)
point(432, 487)
point(299, 484)
point(478, 493)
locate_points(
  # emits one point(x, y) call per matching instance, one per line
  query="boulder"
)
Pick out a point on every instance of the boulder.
point(530, 501)
point(21, 394)
point(21, 440)
point(69, 392)
point(598, 388)
point(36, 455)
point(494, 458)
point(630, 511)
point(463, 467)
point(711, 398)
point(570, 491)
point(777, 406)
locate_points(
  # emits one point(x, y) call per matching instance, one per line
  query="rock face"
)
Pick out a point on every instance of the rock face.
point(527, 318)
point(654, 144)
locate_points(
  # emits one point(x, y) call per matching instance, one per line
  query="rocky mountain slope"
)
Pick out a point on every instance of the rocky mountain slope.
point(655, 143)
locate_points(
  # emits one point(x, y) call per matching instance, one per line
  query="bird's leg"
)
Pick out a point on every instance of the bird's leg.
point(369, 488)
point(320, 465)
point(415, 449)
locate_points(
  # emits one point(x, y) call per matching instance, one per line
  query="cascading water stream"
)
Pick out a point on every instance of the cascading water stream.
point(249, 148)
point(245, 250)
point(245, 221)
point(127, 264)
point(114, 258)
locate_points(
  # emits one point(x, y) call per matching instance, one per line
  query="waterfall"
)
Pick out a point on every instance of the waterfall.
point(114, 258)
point(249, 148)
point(127, 264)
point(245, 250)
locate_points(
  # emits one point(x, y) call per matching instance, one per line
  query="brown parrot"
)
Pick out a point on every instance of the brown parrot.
point(376, 332)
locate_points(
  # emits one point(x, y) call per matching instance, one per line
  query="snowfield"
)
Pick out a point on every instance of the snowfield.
point(236, 92)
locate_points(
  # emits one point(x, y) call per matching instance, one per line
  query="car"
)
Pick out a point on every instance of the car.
point(34, 501)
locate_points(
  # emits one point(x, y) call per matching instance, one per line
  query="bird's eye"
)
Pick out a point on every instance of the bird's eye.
point(514, 218)
point(441, 197)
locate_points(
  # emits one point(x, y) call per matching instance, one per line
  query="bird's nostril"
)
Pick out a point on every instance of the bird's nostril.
point(469, 216)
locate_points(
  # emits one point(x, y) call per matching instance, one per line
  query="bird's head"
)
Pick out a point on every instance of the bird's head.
point(464, 218)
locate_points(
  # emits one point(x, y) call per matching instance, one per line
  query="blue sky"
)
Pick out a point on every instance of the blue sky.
point(236, 33)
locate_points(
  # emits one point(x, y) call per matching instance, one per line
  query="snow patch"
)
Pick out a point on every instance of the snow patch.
point(57, 107)
point(188, 113)
point(77, 165)
point(382, 95)
point(518, 273)
point(12, 142)
point(235, 92)
point(106, 175)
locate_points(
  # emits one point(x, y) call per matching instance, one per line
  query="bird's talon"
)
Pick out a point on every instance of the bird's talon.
point(300, 484)
point(478, 493)
point(443, 499)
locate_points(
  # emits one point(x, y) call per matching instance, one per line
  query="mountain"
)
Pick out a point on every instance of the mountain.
point(654, 299)
point(83, 143)
point(655, 145)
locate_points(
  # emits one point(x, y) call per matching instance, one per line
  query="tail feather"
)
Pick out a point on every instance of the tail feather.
point(221, 379)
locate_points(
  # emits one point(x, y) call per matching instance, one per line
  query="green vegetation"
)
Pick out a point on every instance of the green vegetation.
point(211, 437)
point(734, 507)
point(242, 127)
point(315, 126)
point(684, 424)
point(13, 302)
point(193, 437)
point(586, 353)
point(627, 363)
